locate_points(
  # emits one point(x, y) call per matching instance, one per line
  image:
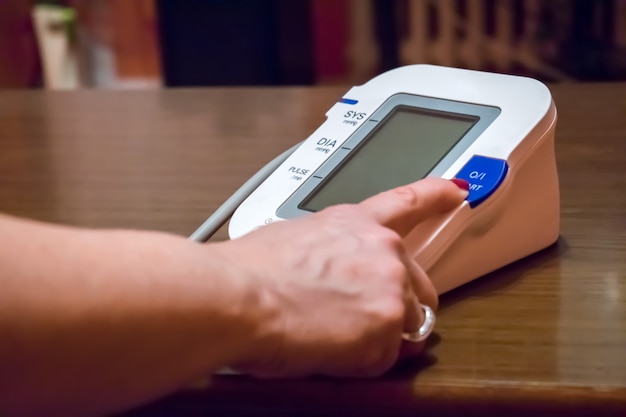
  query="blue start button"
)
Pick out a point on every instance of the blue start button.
point(484, 175)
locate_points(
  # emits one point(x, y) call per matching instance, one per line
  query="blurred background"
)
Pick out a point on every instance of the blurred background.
point(130, 44)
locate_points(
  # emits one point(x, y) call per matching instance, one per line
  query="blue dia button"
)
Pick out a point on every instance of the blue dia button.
point(484, 175)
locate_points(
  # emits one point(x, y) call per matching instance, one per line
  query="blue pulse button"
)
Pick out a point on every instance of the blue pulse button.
point(484, 175)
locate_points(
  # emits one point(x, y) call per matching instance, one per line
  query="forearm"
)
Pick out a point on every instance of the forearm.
point(92, 320)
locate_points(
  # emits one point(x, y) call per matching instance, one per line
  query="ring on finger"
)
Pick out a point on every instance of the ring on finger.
point(425, 329)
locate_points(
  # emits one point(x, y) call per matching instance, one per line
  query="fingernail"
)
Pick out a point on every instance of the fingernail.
point(461, 183)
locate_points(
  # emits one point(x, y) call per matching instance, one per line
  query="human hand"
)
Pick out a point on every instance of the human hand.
point(339, 286)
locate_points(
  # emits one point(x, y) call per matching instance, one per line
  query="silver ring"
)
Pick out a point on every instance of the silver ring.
point(425, 330)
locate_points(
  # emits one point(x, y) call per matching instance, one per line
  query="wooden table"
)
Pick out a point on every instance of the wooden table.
point(546, 335)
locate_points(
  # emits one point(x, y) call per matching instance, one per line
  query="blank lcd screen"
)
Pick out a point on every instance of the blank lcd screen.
point(403, 148)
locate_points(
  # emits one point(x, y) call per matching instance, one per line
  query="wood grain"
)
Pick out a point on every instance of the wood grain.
point(545, 335)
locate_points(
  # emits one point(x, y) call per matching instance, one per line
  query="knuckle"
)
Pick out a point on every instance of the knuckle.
point(381, 360)
point(409, 196)
point(390, 238)
point(392, 273)
point(395, 313)
point(383, 280)
point(391, 312)
point(395, 273)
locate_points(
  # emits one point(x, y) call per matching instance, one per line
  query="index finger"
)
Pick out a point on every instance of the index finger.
point(403, 207)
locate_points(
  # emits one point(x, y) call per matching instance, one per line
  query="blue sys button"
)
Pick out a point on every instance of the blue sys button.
point(484, 175)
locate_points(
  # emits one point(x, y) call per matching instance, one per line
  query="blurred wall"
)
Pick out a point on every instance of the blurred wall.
point(236, 42)
point(283, 42)
point(19, 61)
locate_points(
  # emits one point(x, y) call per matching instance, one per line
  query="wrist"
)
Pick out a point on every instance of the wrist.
point(254, 311)
point(251, 309)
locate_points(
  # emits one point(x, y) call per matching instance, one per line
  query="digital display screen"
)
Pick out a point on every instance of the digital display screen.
point(403, 148)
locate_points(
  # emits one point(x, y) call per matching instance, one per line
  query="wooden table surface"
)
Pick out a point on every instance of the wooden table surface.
point(545, 335)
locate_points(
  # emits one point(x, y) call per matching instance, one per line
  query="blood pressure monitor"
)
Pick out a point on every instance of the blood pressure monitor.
point(495, 131)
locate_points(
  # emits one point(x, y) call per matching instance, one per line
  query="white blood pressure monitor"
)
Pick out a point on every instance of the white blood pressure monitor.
point(495, 131)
